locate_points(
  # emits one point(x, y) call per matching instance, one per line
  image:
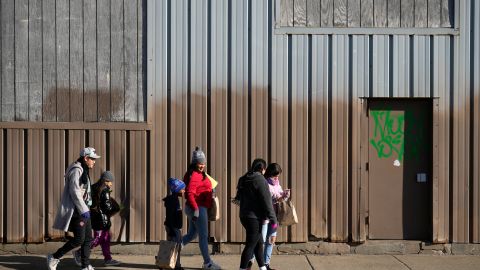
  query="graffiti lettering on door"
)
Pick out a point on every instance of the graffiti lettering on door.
point(388, 138)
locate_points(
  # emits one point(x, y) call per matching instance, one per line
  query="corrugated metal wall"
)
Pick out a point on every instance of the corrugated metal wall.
point(219, 77)
point(296, 100)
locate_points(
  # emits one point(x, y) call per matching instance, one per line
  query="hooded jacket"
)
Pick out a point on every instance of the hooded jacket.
point(75, 196)
point(255, 198)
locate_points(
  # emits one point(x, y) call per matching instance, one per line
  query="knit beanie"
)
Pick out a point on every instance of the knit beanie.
point(175, 184)
point(198, 156)
point(108, 176)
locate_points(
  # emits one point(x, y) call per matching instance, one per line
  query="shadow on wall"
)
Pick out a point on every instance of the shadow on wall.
point(89, 105)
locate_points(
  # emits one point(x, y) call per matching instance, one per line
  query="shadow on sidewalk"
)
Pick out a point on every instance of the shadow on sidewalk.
point(19, 262)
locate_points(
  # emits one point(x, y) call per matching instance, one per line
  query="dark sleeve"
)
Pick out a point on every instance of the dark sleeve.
point(106, 203)
point(265, 199)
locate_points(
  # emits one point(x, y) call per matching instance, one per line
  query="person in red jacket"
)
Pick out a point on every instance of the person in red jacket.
point(198, 194)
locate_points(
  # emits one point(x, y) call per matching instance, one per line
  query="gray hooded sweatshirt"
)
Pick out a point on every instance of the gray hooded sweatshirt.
point(72, 197)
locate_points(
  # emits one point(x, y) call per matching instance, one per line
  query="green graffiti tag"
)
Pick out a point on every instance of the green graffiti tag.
point(389, 134)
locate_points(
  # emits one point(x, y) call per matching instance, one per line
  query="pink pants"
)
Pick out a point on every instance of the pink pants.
point(102, 238)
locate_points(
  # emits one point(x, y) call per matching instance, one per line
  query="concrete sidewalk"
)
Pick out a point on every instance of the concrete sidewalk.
point(282, 262)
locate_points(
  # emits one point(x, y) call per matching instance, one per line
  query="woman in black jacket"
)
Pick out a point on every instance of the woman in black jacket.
point(255, 208)
point(103, 207)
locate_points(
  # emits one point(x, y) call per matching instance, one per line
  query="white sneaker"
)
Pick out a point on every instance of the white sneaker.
point(112, 262)
point(89, 267)
point(77, 257)
point(52, 262)
point(211, 266)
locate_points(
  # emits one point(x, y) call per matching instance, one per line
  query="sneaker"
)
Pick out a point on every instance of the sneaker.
point(89, 267)
point(211, 265)
point(52, 262)
point(268, 267)
point(77, 257)
point(112, 262)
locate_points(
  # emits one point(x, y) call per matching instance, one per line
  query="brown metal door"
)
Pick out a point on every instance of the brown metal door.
point(400, 168)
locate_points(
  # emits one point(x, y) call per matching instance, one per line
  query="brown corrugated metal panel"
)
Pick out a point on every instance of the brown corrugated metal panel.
point(178, 86)
point(239, 111)
point(14, 185)
point(55, 176)
point(117, 165)
point(359, 89)
point(219, 117)
point(461, 127)
point(76, 142)
point(36, 185)
point(319, 138)
point(2, 183)
point(441, 153)
point(299, 129)
point(259, 80)
point(98, 140)
point(340, 144)
point(476, 114)
point(137, 179)
point(157, 108)
point(279, 111)
point(363, 185)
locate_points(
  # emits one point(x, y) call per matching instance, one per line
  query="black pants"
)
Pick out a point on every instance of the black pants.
point(253, 243)
point(82, 237)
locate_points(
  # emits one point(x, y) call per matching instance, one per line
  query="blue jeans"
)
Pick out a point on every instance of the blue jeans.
point(267, 232)
point(200, 228)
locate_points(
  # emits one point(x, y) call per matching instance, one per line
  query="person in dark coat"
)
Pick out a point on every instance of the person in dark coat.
point(174, 214)
point(255, 207)
point(103, 208)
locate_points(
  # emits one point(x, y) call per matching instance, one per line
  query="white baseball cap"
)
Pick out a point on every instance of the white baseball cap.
point(89, 152)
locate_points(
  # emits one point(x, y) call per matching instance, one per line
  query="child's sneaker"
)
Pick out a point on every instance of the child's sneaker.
point(77, 257)
point(211, 265)
point(52, 262)
point(89, 267)
point(112, 262)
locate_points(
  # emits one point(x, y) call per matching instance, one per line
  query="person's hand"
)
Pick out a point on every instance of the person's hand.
point(196, 213)
point(85, 215)
point(286, 193)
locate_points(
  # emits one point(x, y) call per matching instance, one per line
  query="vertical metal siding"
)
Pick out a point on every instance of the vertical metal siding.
point(441, 171)
point(98, 140)
point(381, 66)
point(360, 86)
point(279, 113)
point(157, 43)
point(178, 88)
point(198, 76)
point(340, 132)
point(55, 177)
point(239, 108)
point(14, 186)
point(7, 23)
point(137, 190)
point(421, 66)
point(319, 210)
point(258, 74)
point(2, 182)
point(117, 165)
point(35, 186)
point(299, 135)
point(461, 126)
point(218, 115)
point(34, 61)
point(476, 115)
point(401, 66)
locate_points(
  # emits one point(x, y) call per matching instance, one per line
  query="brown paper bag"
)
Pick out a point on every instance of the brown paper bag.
point(214, 211)
point(286, 213)
point(167, 254)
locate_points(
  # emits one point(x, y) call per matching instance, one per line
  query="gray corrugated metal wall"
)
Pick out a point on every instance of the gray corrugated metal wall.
point(219, 77)
point(295, 99)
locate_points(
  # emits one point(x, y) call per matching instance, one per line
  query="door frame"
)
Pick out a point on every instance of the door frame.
point(364, 175)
